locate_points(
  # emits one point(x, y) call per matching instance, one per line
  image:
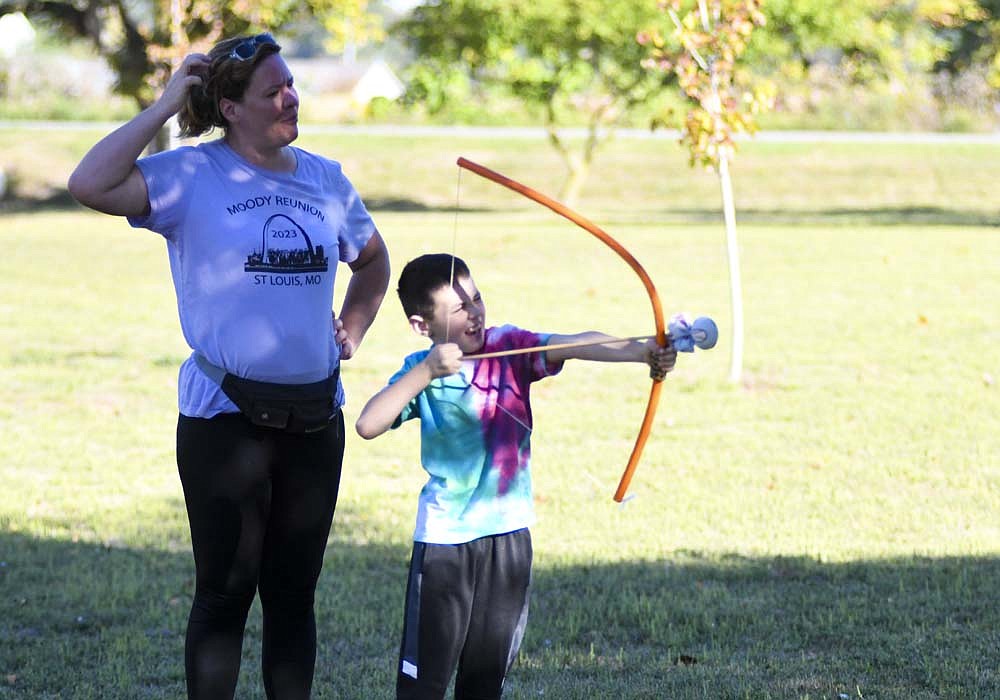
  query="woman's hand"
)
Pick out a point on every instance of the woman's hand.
point(189, 74)
point(343, 339)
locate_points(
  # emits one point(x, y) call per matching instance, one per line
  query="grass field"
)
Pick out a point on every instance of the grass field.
point(827, 528)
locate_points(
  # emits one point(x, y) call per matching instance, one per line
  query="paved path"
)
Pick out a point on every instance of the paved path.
point(533, 133)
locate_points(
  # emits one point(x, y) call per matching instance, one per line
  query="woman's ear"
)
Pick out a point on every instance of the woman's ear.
point(227, 108)
point(419, 325)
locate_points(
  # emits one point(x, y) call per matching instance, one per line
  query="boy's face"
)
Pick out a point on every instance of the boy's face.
point(459, 316)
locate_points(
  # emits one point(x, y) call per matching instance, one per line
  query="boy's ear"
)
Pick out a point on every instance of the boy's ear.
point(419, 325)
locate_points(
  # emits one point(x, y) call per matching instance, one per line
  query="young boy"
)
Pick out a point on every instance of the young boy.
point(470, 571)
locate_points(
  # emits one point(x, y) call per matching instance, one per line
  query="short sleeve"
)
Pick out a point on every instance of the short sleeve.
point(169, 176)
point(358, 226)
point(530, 367)
point(412, 409)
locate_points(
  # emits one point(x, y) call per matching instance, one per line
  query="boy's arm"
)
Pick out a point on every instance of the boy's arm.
point(384, 408)
point(660, 360)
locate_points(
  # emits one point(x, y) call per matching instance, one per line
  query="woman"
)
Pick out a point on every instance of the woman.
point(251, 223)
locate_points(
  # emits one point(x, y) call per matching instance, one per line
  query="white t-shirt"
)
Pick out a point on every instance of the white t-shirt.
point(253, 255)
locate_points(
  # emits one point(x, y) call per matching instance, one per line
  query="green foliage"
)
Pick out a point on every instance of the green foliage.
point(872, 38)
point(937, 58)
point(569, 61)
point(562, 56)
point(976, 43)
point(704, 50)
point(857, 64)
point(141, 40)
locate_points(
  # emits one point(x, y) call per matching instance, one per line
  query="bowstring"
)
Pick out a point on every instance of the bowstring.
point(468, 386)
point(454, 239)
point(451, 283)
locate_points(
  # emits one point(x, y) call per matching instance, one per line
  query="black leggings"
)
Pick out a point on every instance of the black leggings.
point(260, 503)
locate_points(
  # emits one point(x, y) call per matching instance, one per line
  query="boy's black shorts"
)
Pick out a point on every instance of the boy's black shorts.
point(466, 609)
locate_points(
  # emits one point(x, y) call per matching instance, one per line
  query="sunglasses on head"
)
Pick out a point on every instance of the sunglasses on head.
point(246, 49)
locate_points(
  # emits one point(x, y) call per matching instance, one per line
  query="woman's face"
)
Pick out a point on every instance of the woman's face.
point(268, 114)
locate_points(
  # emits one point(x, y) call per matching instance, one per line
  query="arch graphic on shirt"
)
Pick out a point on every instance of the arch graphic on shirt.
point(288, 258)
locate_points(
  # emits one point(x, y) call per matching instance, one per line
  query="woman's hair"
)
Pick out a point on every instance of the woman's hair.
point(423, 276)
point(227, 77)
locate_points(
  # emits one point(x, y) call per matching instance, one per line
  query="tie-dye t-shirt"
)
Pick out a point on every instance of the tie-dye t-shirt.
point(475, 441)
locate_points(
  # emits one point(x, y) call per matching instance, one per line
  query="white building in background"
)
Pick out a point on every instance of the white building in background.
point(16, 34)
point(332, 89)
point(57, 72)
point(377, 80)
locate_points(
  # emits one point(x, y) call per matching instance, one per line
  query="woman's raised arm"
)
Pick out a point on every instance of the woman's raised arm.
point(107, 178)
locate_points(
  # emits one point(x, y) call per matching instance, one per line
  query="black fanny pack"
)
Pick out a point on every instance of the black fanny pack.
point(295, 408)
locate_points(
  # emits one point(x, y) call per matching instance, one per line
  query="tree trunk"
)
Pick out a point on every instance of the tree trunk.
point(735, 286)
point(579, 166)
point(570, 191)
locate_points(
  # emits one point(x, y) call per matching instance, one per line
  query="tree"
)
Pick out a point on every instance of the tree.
point(876, 38)
point(975, 42)
point(570, 60)
point(882, 50)
point(142, 40)
point(703, 49)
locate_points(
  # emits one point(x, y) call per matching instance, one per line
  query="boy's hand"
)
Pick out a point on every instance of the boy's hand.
point(660, 360)
point(444, 360)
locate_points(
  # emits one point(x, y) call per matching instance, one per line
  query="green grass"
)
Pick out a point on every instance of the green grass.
point(828, 527)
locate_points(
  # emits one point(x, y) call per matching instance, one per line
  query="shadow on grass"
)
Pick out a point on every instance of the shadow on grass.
point(57, 200)
point(882, 216)
point(60, 200)
point(731, 626)
point(87, 620)
point(879, 216)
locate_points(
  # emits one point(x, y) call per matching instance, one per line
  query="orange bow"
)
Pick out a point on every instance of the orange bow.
point(593, 229)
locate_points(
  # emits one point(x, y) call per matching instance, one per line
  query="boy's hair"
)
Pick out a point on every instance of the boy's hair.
point(425, 275)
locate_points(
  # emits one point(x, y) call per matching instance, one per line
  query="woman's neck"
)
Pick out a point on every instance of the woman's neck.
point(280, 159)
